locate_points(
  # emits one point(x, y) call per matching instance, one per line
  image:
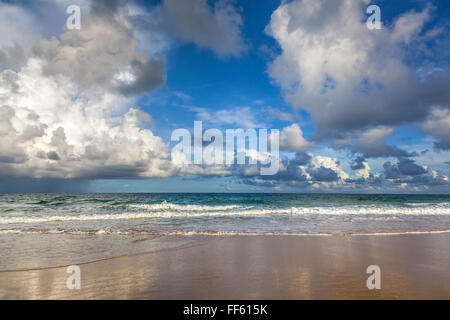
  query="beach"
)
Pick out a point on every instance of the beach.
point(413, 266)
point(224, 150)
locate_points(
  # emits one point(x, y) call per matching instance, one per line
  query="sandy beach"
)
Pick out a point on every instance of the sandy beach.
point(413, 266)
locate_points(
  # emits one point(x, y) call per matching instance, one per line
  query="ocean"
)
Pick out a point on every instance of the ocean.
point(40, 230)
point(222, 213)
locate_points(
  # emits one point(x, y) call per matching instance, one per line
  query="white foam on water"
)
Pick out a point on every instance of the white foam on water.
point(217, 233)
point(167, 206)
point(169, 210)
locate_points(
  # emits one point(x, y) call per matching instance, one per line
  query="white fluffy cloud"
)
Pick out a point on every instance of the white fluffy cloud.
point(349, 78)
point(67, 113)
point(305, 171)
point(102, 55)
point(291, 139)
point(67, 104)
point(51, 130)
point(67, 108)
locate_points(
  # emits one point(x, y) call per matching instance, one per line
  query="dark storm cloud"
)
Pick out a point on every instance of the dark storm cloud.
point(113, 172)
point(29, 185)
point(52, 155)
point(106, 7)
point(149, 72)
point(300, 159)
point(212, 25)
point(323, 174)
point(358, 163)
point(404, 167)
point(383, 151)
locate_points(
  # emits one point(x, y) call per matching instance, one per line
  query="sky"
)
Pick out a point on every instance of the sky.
point(92, 109)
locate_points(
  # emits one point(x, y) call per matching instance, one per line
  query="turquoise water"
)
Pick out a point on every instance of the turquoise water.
point(222, 213)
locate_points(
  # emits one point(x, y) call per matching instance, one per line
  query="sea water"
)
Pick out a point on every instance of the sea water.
point(39, 229)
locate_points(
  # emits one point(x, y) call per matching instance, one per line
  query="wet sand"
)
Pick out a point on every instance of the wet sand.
point(413, 266)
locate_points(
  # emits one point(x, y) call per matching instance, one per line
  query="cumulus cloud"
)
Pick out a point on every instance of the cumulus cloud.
point(302, 171)
point(291, 139)
point(406, 171)
point(68, 103)
point(409, 25)
point(103, 55)
point(372, 144)
point(67, 108)
point(358, 163)
point(349, 78)
point(438, 125)
point(66, 113)
point(12, 57)
point(47, 131)
point(214, 26)
point(404, 167)
point(306, 171)
point(217, 28)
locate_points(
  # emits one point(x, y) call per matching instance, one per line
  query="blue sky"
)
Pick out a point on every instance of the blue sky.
point(370, 107)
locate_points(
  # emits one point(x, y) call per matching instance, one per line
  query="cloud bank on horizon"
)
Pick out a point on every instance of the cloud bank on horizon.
point(70, 100)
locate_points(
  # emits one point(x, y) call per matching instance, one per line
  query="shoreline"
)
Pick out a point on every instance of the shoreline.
point(224, 233)
point(200, 235)
point(413, 266)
